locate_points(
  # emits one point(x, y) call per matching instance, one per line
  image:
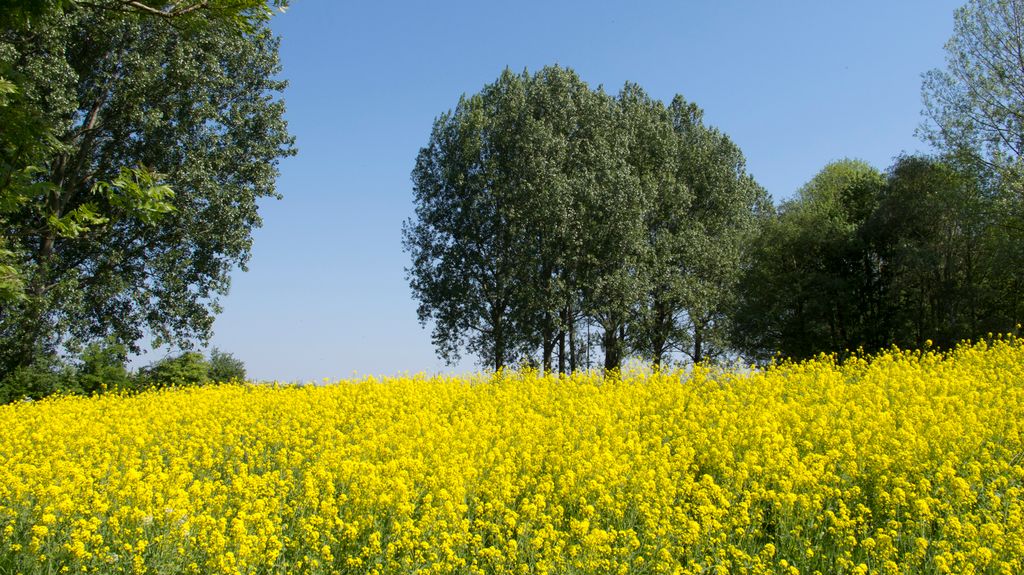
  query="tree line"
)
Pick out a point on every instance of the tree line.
point(554, 220)
point(930, 252)
point(922, 255)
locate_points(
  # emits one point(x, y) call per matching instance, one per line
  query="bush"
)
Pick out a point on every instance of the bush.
point(189, 368)
point(45, 377)
point(103, 367)
point(225, 367)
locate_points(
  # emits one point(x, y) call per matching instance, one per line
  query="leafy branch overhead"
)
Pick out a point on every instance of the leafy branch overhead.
point(135, 193)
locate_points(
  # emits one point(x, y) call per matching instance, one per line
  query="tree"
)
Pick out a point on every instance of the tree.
point(976, 105)
point(30, 139)
point(931, 232)
point(703, 216)
point(465, 236)
point(809, 280)
point(975, 109)
point(862, 260)
point(164, 136)
point(650, 229)
point(612, 208)
point(561, 112)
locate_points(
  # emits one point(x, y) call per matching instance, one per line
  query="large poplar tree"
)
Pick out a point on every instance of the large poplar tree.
point(466, 240)
point(706, 209)
point(563, 114)
point(156, 136)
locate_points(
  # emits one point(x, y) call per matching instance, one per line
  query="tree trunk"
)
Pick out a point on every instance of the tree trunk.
point(660, 348)
point(659, 338)
point(698, 342)
point(499, 339)
point(548, 345)
point(561, 341)
point(612, 348)
point(572, 346)
point(499, 354)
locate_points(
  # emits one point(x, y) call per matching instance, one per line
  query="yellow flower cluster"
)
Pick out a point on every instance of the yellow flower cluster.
point(909, 462)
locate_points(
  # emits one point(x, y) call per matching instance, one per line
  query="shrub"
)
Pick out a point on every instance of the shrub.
point(189, 368)
point(104, 367)
point(225, 367)
point(46, 376)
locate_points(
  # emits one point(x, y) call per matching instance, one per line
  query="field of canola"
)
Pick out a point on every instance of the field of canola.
point(907, 463)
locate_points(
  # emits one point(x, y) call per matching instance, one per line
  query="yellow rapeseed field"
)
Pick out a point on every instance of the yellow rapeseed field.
point(906, 463)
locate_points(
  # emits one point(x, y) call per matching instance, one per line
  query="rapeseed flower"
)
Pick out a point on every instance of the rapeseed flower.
point(907, 462)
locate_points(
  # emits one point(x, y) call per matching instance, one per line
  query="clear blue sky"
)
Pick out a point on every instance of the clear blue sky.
point(795, 84)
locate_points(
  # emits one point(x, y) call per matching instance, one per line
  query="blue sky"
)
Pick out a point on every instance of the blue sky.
point(795, 84)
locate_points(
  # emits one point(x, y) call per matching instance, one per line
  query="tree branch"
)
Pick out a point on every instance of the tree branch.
point(136, 6)
point(172, 13)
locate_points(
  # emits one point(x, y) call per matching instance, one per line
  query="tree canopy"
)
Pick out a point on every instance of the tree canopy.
point(545, 207)
point(131, 167)
point(976, 105)
point(864, 260)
